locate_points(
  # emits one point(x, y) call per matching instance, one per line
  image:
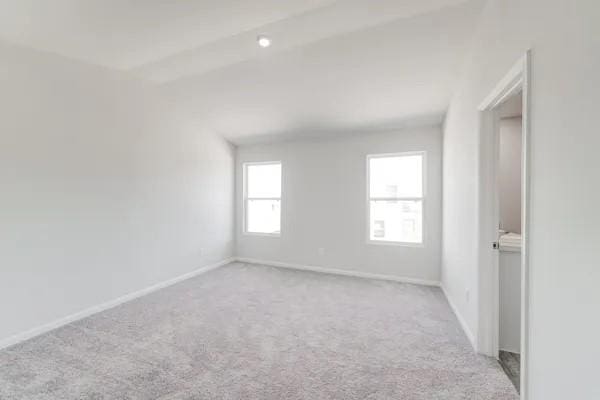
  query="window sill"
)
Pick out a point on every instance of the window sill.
point(272, 235)
point(398, 244)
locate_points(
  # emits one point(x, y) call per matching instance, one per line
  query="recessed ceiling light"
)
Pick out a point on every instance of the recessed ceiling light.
point(263, 41)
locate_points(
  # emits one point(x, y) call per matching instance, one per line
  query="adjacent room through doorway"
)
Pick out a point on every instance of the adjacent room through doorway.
point(509, 234)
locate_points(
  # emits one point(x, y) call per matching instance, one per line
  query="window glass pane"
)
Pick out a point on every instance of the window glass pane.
point(263, 180)
point(397, 221)
point(396, 176)
point(263, 216)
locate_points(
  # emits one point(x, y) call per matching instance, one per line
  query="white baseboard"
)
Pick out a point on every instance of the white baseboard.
point(513, 350)
point(12, 340)
point(461, 320)
point(336, 271)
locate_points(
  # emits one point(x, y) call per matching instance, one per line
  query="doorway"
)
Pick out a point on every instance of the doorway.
point(504, 225)
point(509, 185)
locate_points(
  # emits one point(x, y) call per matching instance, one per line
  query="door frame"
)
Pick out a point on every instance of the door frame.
point(517, 79)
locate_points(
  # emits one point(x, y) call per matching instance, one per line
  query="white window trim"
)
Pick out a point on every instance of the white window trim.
point(245, 198)
point(422, 199)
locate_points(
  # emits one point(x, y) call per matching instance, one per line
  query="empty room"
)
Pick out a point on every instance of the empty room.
point(299, 200)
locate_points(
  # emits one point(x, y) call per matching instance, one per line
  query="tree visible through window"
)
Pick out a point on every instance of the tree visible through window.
point(396, 197)
point(262, 197)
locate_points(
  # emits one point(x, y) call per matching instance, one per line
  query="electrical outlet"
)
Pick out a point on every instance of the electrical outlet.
point(321, 251)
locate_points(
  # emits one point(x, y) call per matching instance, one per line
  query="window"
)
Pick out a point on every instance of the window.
point(396, 197)
point(262, 198)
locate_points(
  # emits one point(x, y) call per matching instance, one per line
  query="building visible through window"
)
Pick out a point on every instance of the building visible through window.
point(262, 198)
point(396, 197)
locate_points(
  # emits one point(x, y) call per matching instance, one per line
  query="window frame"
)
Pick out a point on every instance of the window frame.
point(423, 199)
point(245, 198)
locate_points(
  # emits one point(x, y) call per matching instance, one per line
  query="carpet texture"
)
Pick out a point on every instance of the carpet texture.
point(256, 332)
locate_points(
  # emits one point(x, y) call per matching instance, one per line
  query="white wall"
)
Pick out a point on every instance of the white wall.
point(564, 273)
point(510, 301)
point(509, 174)
point(324, 205)
point(104, 190)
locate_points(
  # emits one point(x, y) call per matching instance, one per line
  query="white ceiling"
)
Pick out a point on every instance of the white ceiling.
point(130, 33)
point(334, 66)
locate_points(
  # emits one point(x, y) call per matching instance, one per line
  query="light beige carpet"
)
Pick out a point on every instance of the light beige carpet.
point(256, 332)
